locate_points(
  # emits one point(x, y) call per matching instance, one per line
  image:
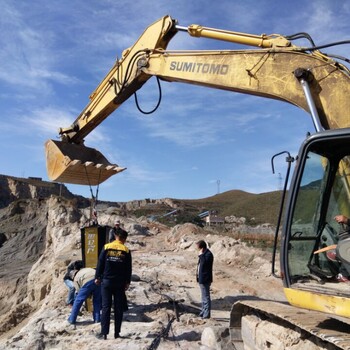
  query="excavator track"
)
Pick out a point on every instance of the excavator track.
point(328, 328)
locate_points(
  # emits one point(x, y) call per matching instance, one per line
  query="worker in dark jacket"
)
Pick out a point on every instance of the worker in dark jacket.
point(205, 276)
point(113, 271)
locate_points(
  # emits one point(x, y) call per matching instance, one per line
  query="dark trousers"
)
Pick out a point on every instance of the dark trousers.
point(109, 289)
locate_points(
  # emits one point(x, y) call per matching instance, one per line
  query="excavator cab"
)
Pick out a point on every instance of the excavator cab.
point(320, 190)
point(77, 164)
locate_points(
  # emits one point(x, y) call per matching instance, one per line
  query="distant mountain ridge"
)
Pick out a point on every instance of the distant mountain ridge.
point(13, 188)
point(256, 208)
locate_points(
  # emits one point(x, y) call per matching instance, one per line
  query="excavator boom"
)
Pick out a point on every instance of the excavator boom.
point(267, 72)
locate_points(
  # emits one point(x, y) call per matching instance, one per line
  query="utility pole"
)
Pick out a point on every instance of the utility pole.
point(218, 183)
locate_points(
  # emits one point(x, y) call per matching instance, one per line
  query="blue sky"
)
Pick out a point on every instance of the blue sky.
point(54, 54)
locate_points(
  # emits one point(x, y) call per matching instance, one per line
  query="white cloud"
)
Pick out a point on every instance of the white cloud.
point(27, 55)
point(139, 173)
point(47, 121)
point(53, 55)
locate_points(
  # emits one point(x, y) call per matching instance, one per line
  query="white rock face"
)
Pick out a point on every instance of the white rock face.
point(44, 236)
point(14, 188)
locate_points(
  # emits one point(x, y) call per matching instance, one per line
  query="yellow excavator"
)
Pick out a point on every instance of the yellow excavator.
point(319, 305)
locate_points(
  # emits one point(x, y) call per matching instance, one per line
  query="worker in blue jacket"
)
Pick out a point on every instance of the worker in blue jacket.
point(205, 276)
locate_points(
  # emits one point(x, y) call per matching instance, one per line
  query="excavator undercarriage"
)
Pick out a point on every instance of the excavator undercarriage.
point(266, 324)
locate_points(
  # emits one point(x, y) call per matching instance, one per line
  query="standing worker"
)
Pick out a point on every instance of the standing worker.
point(84, 283)
point(205, 276)
point(114, 273)
point(111, 234)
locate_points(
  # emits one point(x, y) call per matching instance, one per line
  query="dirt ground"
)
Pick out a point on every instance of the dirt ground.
point(164, 265)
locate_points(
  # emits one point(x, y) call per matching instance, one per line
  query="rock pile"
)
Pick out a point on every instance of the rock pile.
point(43, 236)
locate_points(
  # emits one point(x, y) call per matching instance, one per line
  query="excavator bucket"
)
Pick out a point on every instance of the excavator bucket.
point(77, 164)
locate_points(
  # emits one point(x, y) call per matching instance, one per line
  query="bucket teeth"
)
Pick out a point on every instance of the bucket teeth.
point(87, 164)
point(77, 164)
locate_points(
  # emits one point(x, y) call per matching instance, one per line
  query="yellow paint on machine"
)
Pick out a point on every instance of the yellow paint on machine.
point(320, 302)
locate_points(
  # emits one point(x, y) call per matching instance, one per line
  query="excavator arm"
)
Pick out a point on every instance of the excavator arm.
point(69, 160)
point(276, 70)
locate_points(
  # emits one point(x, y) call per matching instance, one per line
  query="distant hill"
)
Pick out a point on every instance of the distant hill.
point(263, 207)
point(14, 188)
point(256, 208)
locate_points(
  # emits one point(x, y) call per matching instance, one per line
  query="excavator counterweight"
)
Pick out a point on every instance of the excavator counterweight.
point(77, 164)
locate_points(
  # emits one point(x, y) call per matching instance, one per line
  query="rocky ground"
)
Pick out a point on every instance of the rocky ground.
point(43, 237)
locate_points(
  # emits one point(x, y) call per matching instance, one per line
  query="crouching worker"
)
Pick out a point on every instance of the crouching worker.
point(72, 269)
point(84, 282)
